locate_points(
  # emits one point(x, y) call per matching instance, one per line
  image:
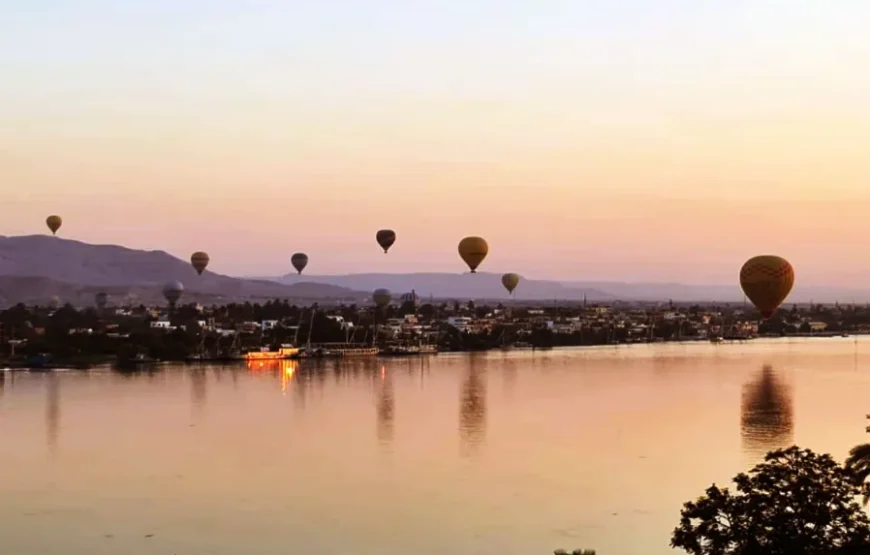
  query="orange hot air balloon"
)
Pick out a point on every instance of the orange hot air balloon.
point(767, 280)
point(53, 222)
point(473, 250)
point(199, 261)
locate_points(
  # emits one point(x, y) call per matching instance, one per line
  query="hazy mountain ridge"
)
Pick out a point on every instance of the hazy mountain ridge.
point(461, 286)
point(34, 268)
point(488, 285)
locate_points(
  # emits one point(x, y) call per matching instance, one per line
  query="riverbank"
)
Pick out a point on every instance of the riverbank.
point(83, 362)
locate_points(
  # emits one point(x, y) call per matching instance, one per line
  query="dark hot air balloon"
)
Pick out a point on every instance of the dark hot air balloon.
point(510, 282)
point(473, 250)
point(101, 299)
point(299, 261)
point(410, 298)
point(53, 222)
point(386, 238)
point(382, 297)
point(767, 280)
point(199, 261)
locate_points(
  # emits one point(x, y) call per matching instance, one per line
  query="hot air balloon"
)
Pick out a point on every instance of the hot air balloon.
point(473, 250)
point(172, 292)
point(54, 302)
point(510, 282)
point(53, 222)
point(101, 299)
point(299, 261)
point(199, 261)
point(767, 280)
point(386, 238)
point(382, 297)
point(410, 298)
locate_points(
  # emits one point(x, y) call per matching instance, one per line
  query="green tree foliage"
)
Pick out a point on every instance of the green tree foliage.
point(796, 502)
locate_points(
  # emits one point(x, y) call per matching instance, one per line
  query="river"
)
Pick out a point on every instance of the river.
point(509, 453)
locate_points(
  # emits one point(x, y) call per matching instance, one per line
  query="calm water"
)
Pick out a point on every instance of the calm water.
point(508, 453)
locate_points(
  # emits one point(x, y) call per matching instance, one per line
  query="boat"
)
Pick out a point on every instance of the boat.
point(399, 350)
point(219, 358)
point(284, 352)
point(516, 345)
point(354, 351)
point(134, 362)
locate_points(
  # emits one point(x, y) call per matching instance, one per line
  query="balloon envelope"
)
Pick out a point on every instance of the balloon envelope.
point(53, 222)
point(510, 281)
point(101, 299)
point(767, 280)
point(299, 261)
point(386, 238)
point(473, 250)
point(410, 298)
point(382, 297)
point(199, 260)
point(172, 291)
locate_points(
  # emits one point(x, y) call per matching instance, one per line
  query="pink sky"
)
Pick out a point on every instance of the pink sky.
point(666, 157)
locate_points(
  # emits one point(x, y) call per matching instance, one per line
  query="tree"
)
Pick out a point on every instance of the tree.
point(858, 464)
point(796, 502)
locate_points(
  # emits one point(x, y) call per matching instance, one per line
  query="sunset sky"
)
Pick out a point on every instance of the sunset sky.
point(635, 140)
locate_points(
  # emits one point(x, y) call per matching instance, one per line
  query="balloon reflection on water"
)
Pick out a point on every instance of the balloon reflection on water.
point(766, 415)
point(386, 406)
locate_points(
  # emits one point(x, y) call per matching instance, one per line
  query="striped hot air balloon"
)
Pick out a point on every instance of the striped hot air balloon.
point(199, 260)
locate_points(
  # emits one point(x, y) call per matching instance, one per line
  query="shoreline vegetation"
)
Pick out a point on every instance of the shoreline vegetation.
point(46, 337)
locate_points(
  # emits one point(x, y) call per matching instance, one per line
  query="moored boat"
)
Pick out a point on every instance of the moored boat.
point(283, 352)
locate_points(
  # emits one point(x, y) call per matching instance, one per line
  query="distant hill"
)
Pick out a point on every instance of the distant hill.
point(488, 286)
point(34, 268)
point(459, 286)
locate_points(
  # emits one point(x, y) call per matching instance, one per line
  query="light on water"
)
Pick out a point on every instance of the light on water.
point(510, 453)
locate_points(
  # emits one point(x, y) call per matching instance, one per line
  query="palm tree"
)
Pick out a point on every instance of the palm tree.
point(858, 464)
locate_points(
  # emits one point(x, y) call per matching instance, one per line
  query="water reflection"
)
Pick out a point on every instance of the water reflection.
point(472, 408)
point(766, 420)
point(509, 375)
point(285, 370)
point(385, 409)
point(197, 389)
point(52, 412)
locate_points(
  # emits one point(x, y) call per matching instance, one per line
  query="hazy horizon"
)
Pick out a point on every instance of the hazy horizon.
point(586, 141)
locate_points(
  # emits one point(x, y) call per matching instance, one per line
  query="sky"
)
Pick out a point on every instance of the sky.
point(617, 139)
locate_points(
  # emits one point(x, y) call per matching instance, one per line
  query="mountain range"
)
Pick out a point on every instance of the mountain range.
point(35, 268)
point(483, 285)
